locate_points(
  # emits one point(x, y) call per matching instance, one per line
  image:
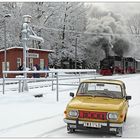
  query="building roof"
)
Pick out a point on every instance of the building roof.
point(16, 47)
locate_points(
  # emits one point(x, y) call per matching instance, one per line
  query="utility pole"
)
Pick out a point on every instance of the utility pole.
point(5, 45)
point(76, 53)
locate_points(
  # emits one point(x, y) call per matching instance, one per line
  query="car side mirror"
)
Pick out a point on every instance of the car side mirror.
point(71, 94)
point(128, 97)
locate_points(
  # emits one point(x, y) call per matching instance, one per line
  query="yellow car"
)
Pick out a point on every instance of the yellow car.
point(98, 104)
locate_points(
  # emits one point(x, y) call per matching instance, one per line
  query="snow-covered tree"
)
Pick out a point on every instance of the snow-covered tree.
point(58, 23)
point(12, 23)
point(133, 23)
point(72, 29)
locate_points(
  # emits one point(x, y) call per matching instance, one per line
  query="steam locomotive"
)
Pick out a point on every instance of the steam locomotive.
point(119, 65)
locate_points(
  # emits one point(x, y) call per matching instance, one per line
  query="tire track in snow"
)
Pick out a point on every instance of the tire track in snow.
point(52, 131)
point(27, 123)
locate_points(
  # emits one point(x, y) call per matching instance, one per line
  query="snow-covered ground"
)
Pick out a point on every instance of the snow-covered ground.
point(24, 116)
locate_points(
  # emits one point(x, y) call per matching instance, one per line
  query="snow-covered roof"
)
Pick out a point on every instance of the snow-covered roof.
point(138, 60)
point(16, 47)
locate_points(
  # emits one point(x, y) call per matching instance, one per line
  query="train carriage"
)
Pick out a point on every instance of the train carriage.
point(137, 65)
point(130, 65)
point(118, 65)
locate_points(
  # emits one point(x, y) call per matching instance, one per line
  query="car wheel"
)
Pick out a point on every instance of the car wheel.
point(70, 130)
point(119, 132)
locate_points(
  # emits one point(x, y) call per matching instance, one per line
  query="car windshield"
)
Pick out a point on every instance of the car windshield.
point(100, 90)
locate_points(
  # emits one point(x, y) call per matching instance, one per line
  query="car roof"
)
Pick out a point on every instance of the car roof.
point(112, 81)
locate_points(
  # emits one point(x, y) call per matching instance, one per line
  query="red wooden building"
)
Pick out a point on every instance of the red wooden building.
point(14, 58)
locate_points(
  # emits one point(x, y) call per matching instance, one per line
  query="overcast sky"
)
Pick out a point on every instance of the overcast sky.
point(123, 8)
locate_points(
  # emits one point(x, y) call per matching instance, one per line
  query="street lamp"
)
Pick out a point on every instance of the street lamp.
point(5, 47)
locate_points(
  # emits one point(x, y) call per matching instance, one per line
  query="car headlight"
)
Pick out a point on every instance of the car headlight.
point(112, 116)
point(73, 113)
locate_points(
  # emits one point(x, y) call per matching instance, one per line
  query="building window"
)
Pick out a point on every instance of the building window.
point(31, 63)
point(42, 64)
point(8, 66)
point(3, 66)
point(18, 62)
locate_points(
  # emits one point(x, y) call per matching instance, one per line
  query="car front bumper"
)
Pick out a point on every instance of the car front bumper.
point(104, 126)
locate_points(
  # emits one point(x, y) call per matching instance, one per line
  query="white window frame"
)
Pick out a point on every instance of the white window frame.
point(31, 63)
point(18, 62)
point(42, 64)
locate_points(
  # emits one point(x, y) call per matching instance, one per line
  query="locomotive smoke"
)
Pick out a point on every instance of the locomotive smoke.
point(105, 21)
point(121, 46)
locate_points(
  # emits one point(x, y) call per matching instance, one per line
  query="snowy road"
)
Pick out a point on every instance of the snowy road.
point(23, 116)
point(34, 128)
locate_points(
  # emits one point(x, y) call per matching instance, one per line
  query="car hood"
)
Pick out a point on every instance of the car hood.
point(96, 103)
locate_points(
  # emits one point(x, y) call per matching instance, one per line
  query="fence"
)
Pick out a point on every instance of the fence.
point(55, 76)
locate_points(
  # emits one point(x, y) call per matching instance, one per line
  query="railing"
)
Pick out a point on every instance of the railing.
point(55, 76)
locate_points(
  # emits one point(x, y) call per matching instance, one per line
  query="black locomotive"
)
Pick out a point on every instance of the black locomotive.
point(119, 65)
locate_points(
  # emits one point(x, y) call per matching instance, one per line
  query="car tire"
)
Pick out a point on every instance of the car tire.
point(70, 130)
point(119, 132)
